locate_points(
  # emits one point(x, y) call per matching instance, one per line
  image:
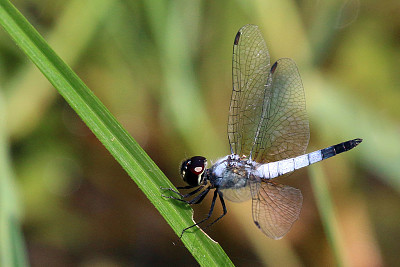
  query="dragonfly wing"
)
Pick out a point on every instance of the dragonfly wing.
point(283, 130)
point(267, 114)
point(275, 207)
point(250, 68)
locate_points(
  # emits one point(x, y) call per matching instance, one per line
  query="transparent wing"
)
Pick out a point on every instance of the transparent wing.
point(283, 129)
point(267, 114)
point(250, 68)
point(275, 207)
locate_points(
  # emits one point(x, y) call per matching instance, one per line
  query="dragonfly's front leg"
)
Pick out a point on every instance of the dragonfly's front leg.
point(181, 195)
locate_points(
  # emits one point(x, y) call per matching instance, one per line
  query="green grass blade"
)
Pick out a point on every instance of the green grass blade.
point(325, 208)
point(115, 138)
point(27, 94)
point(12, 247)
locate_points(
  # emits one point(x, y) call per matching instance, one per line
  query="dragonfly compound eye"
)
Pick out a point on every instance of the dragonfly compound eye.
point(192, 170)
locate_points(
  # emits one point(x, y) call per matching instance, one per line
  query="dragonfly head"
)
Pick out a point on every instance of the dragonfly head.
point(193, 169)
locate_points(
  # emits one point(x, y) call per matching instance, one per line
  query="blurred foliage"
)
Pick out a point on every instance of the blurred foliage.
point(163, 69)
point(132, 158)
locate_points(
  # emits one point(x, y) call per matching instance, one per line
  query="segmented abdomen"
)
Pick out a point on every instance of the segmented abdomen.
point(278, 168)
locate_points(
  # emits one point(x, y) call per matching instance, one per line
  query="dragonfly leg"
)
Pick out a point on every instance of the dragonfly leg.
point(195, 200)
point(183, 187)
point(209, 213)
point(199, 198)
point(193, 192)
point(223, 207)
point(186, 187)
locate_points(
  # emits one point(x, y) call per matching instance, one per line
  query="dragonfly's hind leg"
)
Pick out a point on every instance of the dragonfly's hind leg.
point(209, 213)
point(223, 207)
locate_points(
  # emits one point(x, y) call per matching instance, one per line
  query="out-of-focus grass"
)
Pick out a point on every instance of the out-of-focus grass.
point(177, 36)
point(31, 95)
point(329, 220)
point(168, 67)
point(12, 246)
point(124, 149)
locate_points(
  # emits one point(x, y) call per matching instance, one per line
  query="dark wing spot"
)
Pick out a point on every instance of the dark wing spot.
point(273, 68)
point(237, 38)
point(257, 224)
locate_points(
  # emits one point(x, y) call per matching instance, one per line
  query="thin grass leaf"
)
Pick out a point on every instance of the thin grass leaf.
point(113, 136)
point(12, 246)
point(325, 208)
point(30, 95)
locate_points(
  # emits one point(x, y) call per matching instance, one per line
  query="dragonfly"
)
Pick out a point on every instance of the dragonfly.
point(268, 132)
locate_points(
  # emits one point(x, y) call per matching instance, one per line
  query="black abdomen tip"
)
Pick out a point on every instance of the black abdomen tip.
point(340, 148)
point(350, 144)
point(353, 143)
point(357, 141)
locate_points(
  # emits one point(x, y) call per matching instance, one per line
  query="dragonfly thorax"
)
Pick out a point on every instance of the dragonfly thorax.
point(232, 172)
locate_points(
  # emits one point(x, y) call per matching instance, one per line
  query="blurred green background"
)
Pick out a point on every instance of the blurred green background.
point(163, 68)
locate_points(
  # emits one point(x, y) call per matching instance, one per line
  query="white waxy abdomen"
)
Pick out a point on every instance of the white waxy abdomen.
point(274, 169)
